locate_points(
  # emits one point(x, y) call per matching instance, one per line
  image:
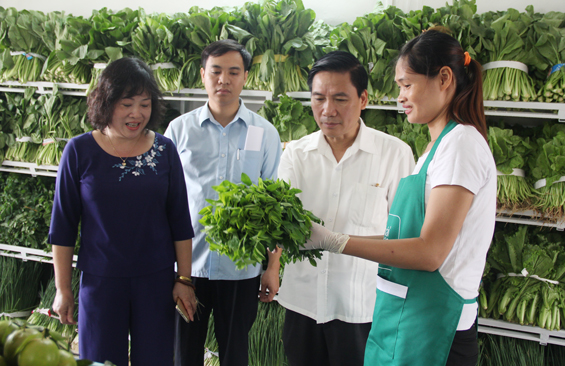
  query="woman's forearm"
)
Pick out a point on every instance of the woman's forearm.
point(183, 250)
point(63, 266)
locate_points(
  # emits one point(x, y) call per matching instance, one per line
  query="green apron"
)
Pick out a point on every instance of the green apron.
point(416, 312)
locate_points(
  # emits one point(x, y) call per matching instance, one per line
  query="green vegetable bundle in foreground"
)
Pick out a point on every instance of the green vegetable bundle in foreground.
point(248, 219)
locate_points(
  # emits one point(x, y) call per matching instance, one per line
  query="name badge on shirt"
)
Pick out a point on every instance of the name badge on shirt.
point(254, 138)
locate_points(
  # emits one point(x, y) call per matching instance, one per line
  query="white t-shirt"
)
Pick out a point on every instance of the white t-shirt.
point(463, 158)
point(352, 197)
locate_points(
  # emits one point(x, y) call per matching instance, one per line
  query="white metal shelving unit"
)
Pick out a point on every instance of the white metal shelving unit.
point(555, 111)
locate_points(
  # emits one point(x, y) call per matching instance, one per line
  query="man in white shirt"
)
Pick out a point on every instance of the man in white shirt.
point(348, 174)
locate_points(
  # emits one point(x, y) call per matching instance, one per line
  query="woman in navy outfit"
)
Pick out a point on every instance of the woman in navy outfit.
point(124, 184)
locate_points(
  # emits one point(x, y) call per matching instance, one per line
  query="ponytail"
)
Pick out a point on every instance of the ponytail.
point(428, 53)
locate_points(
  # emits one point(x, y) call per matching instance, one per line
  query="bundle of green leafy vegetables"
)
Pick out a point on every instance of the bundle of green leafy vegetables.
point(529, 269)
point(547, 40)
point(25, 209)
point(156, 40)
point(374, 39)
point(27, 49)
point(548, 162)
point(291, 119)
point(111, 32)
point(248, 219)
point(23, 120)
point(510, 152)
point(505, 83)
point(201, 27)
point(7, 137)
point(278, 35)
point(60, 119)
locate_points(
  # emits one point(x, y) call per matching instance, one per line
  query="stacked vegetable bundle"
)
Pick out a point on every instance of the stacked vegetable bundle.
point(524, 283)
point(248, 219)
point(291, 119)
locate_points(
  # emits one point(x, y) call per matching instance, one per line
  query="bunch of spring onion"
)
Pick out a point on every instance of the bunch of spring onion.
point(41, 315)
point(510, 152)
point(156, 40)
point(19, 284)
point(505, 83)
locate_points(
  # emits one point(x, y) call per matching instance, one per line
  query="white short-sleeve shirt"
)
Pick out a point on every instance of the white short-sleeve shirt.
point(352, 197)
point(463, 158)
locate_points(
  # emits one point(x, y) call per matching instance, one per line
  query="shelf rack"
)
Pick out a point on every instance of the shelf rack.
point(28, 168)
point(527, 332)
point(29, 254)
point(530, 218)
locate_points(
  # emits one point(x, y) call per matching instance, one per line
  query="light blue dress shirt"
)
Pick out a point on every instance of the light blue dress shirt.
point(211, 154)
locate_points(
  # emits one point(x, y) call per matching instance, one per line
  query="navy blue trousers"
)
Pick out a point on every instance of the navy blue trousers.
point(235, 306)
point(112, 308)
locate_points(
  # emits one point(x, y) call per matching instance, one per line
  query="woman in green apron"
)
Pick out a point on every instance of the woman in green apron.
point(441, 222)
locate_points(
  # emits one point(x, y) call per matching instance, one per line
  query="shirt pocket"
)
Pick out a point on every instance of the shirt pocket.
point(369, 206)
point(248, 162)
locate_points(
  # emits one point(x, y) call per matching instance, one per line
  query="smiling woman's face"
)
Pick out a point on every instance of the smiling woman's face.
point(420, 96)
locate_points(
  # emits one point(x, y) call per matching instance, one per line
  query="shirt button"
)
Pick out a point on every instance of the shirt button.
point(223, 134)
point(221, 177)
point(330, 220)
point(324, 271)
point(223, 155)
point(335, 194)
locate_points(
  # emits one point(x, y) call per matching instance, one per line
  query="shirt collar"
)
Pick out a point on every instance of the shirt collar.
point(363, 141)
point(242, 114)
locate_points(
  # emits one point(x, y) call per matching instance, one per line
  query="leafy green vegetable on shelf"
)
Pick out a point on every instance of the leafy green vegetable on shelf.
point(510, 152)
point(28, 63)
point(548, 162)
point(291, 119)
point(25, 209)
point(156, 40)
point(248, 219)
point(277, 35)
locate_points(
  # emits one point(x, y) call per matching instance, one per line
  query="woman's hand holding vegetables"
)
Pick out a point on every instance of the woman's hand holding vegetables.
point(64, 305)
point(322, 238)
point(188, 298)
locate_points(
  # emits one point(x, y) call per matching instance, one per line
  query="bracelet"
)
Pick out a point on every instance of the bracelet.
point(187, 281)
point(184, 278)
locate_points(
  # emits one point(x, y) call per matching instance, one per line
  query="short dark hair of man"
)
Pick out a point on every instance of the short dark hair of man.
point(220, 48)
point(341, 62)
point(124, 78)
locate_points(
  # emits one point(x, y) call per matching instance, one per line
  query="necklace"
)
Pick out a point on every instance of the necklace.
point(116, 151)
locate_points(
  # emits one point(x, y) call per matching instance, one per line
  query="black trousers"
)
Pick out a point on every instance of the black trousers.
point(235, 308)
point(335, 343)
point(465, 348)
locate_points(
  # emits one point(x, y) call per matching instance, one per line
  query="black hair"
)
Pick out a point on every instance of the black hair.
point(341, 62)
point(124, 78)
point(428, 53)
point(220, 48)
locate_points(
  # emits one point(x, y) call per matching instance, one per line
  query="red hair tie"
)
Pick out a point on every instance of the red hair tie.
point(467, 59)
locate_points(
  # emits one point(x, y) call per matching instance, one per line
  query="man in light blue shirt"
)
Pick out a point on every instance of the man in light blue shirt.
point(218, 142)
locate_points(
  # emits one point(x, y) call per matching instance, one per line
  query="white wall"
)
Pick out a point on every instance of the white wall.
point(333, 11)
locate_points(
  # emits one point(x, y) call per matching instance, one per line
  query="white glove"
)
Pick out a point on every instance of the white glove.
point(325, 239)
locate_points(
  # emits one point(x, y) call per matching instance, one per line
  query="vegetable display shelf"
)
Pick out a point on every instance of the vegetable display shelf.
point(492, 107)
point(526, 332)
point(28, 168)
point(30, 254)
point(530, 218)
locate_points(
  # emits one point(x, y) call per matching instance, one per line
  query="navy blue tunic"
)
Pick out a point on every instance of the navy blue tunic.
point(130, 215)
